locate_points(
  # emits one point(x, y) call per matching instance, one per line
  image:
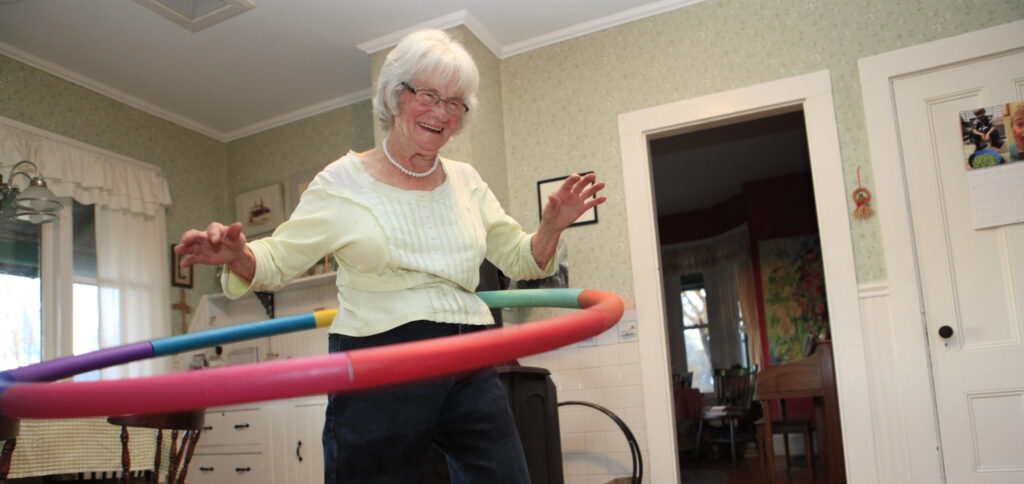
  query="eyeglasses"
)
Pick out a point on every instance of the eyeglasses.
point(430, 97)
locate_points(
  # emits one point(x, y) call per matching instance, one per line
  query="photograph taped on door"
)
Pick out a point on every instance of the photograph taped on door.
point(992, 138)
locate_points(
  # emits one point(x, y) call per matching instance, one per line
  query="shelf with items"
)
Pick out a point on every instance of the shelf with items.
point(300, 296)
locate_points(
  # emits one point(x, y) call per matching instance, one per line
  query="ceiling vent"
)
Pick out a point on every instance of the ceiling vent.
point(196, 15)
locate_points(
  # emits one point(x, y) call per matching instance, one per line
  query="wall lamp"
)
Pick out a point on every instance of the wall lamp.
point(35, 204)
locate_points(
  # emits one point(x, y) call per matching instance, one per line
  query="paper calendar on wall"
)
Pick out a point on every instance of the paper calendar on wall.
point(993, 141)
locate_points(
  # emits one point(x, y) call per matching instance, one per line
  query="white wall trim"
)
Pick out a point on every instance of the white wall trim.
point(461, 17)
point(876, 75)
point(586, 28)
point(814, 93)
point(94, 85)
point(873, 289)
point(299, 114)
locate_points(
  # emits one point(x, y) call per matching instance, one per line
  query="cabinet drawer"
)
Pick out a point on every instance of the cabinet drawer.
point(233, 427)
point(226, 469)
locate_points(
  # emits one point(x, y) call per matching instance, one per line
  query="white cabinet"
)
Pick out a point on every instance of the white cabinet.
point(231, 447)
point(265, 442)
point(227, 469)
point(297, 442)
point(274, 442)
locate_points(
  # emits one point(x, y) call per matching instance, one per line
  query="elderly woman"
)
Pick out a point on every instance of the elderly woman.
point(409, 231)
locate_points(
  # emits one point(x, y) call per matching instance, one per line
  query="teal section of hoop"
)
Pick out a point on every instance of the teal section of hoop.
point(538, 298)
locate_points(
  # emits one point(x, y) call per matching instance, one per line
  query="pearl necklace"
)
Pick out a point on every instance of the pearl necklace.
point(404, 169)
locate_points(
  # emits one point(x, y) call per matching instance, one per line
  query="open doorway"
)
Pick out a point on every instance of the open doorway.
point(743, 281)
point(811, 93)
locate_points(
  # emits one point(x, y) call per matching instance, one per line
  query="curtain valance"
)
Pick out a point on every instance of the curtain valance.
point(89, 175)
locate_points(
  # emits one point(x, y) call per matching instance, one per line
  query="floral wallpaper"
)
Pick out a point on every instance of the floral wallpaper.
point(193, 163)
point(295, 150)
point(562, 101)
point(544, 113)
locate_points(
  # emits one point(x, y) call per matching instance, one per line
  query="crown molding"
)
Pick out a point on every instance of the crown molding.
point(461, 17)
point(299, 114)
point(483, 34)
point(390, 40)
point(94, 85)
point(454, 19)
point(595, 25)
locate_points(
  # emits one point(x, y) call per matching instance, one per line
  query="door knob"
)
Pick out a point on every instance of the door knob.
point(945, 332)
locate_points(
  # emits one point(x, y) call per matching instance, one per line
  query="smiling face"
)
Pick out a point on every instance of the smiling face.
point(425, 128)
point(1017, 127)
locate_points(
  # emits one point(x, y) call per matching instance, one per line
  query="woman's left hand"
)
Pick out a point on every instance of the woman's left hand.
point(574, 197)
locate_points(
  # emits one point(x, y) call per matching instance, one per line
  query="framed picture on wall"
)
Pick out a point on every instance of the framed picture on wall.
point(549, 186)
point(180, 276)
point(260, 210)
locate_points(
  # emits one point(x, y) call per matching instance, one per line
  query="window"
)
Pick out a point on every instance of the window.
point(34, 260)
point(695, 333)
point(21, 313)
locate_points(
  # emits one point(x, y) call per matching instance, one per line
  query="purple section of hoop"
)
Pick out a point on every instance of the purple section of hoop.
point(72, 365)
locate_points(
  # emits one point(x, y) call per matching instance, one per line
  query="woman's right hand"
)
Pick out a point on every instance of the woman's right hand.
point(219, 244)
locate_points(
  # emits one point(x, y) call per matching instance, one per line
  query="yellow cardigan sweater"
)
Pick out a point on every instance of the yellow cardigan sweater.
point(402, 255)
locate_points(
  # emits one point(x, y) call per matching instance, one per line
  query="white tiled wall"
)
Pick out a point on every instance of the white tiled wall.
point(605, 371)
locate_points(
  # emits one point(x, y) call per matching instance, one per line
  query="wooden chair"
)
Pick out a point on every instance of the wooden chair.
point(786, 426)
point(734, 393)
point(191, 422)
point(9, 434)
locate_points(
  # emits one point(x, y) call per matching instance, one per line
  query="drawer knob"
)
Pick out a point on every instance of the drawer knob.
point(206, 469)
point(207, 427)
point(241, 426)
point(242, 469)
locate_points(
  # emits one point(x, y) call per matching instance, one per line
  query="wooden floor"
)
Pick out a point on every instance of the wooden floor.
point(720, 470)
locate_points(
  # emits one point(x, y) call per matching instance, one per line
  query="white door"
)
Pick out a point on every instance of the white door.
point(971, 280)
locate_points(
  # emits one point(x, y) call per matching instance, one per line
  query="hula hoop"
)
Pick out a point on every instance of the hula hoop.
point(24, 395)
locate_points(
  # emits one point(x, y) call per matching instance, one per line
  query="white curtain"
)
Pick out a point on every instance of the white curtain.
point(748, 302)
point(724, 262)
point(132, 252)
point(132, 271)
point(722, 288)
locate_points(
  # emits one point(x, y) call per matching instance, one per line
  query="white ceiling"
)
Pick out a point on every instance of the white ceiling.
point(281, 61)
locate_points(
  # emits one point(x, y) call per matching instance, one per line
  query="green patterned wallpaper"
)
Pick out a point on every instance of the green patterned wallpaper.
point(296, 149)
point(193, 163)
point(544, 113)
point(562, 101)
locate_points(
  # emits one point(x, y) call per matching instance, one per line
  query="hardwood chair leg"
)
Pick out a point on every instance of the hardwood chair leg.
point(192, 437)
point(156, 459)
point(785, 444)
point(732, 440)
point(5, 458)
point(126, 460)
point(700, 431)
point(172, 463)
point(809, 451)
point(759, 436)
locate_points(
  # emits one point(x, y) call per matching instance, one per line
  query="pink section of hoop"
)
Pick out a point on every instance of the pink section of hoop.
point(180, 391)
point(334, 373)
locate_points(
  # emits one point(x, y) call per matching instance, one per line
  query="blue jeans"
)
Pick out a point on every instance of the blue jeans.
point(383, 435)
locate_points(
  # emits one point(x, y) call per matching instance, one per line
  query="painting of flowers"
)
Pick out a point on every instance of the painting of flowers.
point(794, 294)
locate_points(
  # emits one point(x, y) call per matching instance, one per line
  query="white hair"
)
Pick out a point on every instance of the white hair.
point(425, 54)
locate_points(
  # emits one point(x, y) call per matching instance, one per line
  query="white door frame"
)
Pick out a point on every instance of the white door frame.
point(876, 76)
point(812, 92)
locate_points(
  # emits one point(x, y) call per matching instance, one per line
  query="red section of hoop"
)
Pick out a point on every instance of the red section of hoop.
point(334, 373)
